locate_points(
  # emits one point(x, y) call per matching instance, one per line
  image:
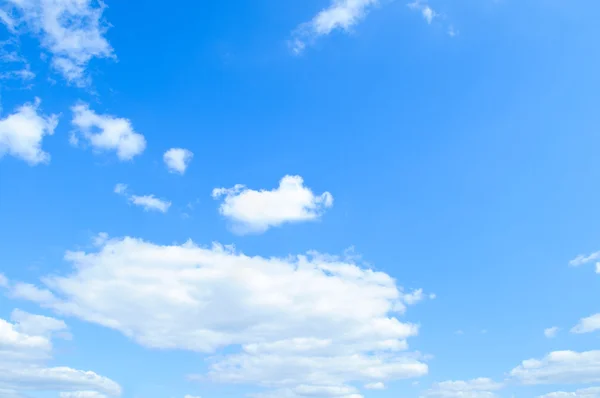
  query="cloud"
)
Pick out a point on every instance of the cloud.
point(426, 11)
point(191, 396)
point(3, 281)
point(147, 202)
point(71, 30)
point(287, 323)
point(22, 133)
point(256, 211)
point(341, 14)
point(107, 132)
point(560, 367)
point(476, 388)
point(598, 268)
point(551, 332)
point(25, 347)
point(82, 394)
point(375, 386)
point(583, 259)
point(592, 392)
point(177, 159)
point(587, 325)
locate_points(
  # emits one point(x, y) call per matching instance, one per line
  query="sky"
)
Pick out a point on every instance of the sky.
point(299, 199)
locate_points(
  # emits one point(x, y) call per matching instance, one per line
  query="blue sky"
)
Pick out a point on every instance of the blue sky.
point(324, 198)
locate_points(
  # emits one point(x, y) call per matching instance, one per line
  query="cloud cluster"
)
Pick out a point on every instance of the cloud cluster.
point(293, 320)
point(71, 30)
point(106, 132)
point(26, 346)
point(256, 211)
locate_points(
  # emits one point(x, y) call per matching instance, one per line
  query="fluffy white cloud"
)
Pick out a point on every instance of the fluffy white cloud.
point(177, 159)
point(341, 14)
point(256, 211)
point(426, 11)
point(22, 132)
point(592, 392)
point(310, 321)
point(147, 202)
point(25, 346)
point(551, 332)
point(560, 367)
point(72, 30)
point(107, 132)
point(476, 388)
point(587, 325)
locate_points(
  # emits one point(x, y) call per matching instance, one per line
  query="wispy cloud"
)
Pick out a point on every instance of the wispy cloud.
point(147, 202)
point(426, 11)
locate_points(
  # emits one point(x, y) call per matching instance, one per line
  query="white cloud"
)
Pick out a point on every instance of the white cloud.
point(25, 347)
point(147, 202)
point(476, 388)
point(587, 325)
point(583, 259)
point(551, 332)
point(592, 392)
point(426, 11)
point(22, 132)
point(72, 30)
point(560, 367)
point(310, 321)
point(82, 394)
point(256, 211)
point(177, 159)
point(107, 132)
point(191, 396)
point(375, 386)
point(598, 268)
point(341, 14)
point(3, 281)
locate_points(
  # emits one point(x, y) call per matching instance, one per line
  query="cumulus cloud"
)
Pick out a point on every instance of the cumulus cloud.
point(426, 11)
point(341, 14)
point(551, 332)
point(584, 259)
point(106, 132)
point(303, 322)
point(177, 159)
point(592, 392)
point(560, 367)
point(71, 30)
point(476, 388)
point(26, 346)
point(587, 325)
point(22, 133)
point(256, 211)
point(147, 202)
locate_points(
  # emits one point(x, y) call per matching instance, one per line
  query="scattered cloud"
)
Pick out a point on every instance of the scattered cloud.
point(426, 11)
point(551, 332)
point(583, 259)
point(191, 396)
point(26, 346)
point(82, 394)
point(375, 386)
point(71, 30)
point(341, 14)
point(256, 211)
point(147, 202)
point(592, 392)
point(587, 325)
point(22, 133)
point(560, 367)
point(476, 388)
point(107, 132)
point(291, 317)
point(598, 268)
point(177, 159)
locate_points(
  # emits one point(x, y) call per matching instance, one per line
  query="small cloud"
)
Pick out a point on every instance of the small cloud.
point(426, 11)
point(587, 325)
point(452, 32)
point(147, 202)
point(375, 386)
point(3, 281)
point(551, 332)
point(177, 159)
point(459, 332)
point(583, 259)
